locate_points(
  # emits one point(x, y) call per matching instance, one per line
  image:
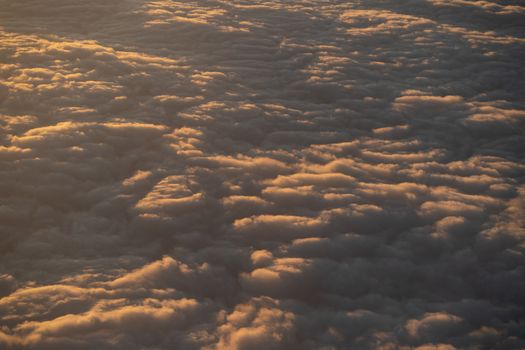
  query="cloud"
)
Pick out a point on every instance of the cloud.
point(262, 175)
point(260, 324)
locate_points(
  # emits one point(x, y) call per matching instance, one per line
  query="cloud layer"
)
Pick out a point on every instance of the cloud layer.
point(262, 174)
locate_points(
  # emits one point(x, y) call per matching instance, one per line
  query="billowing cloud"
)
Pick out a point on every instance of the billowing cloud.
point(262, 175)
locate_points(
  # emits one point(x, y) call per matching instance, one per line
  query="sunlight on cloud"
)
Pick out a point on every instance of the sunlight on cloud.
point(262, 174)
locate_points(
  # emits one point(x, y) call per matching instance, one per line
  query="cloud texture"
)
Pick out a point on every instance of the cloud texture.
point(262, 174)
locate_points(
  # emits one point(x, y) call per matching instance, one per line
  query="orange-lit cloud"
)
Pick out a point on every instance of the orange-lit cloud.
point(262, 175)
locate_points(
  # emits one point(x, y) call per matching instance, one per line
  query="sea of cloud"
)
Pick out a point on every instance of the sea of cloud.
point(263, 174)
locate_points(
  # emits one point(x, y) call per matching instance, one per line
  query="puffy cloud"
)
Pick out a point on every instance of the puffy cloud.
point(434, 324)
point(261, 175)
point(261, 324)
